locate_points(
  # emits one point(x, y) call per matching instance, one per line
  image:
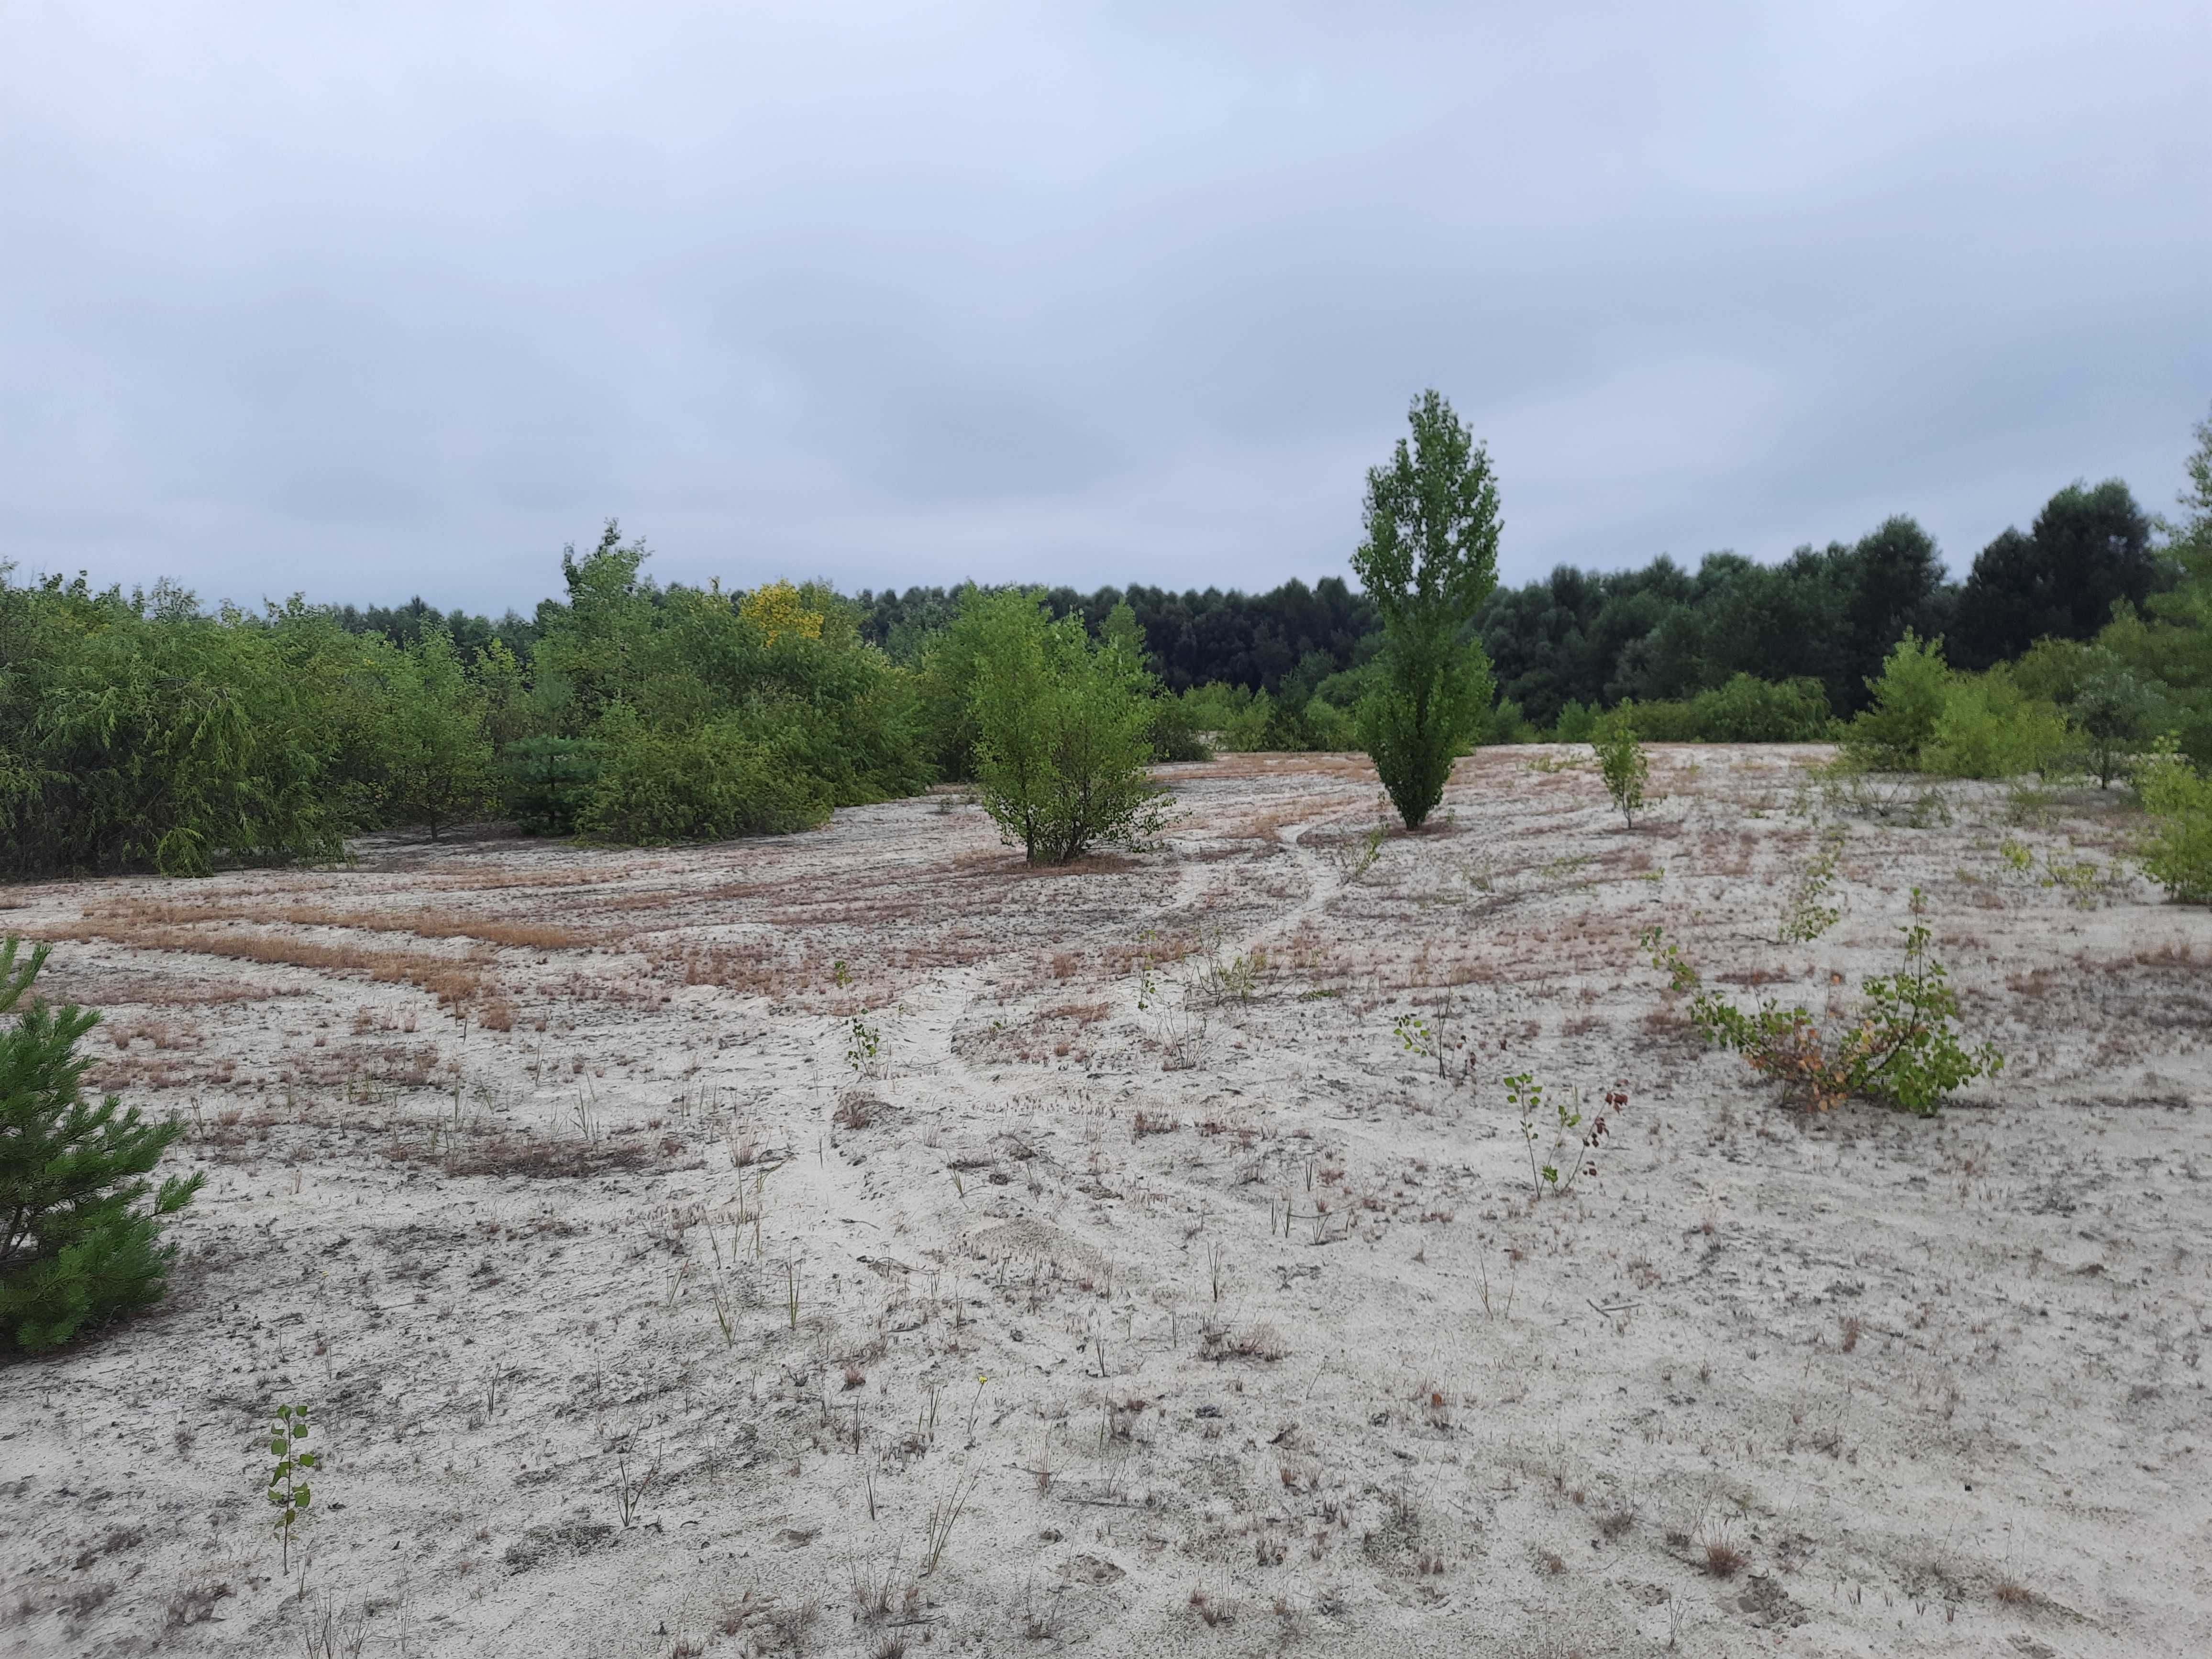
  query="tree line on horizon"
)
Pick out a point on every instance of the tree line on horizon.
point(1657, 632)
point(140, 730)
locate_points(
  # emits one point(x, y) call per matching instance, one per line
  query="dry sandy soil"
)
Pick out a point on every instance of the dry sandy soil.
point(1088, 1261)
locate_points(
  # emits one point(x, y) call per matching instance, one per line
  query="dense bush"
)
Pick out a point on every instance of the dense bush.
point(1989, 728)
point(1062, 730)
point(75, 1246)
point(2178, 852)
point(139, 733)
point(707, 783)
point(1744, 710)
point(1298, 718)
point(1927, 717)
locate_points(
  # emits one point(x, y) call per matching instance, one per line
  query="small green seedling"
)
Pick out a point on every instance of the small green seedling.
point(864, 1049)
point(1148, 988)
point(287, 1491)
point(1525, 1094)
point(1414, 1035)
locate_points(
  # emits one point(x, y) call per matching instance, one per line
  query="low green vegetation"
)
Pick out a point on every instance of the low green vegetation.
point(2177, 851)
point(1900, 1046)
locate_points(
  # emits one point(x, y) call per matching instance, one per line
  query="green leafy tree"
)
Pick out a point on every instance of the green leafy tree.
point(1428, 560)
point(2111, 711)
point(1063, 732)
point(2087, 548)
point(591, 651)
point(76, 1247)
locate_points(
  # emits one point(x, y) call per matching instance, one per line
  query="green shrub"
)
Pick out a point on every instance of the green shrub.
point(1507, 722)
point(1909, 697)
point(434, 759)
point(708, 784)
point(1672, 721)
point(1901, 1049)
point(1062, 732)
point(1621, 760)
point(1750, 710)
point(1575, 723)
point(1926, 718)
point(1173, 734)
point(1989, 728)
point(2112, 712)
point(2176, 854)
point(1746, 709)
point(75, 1247)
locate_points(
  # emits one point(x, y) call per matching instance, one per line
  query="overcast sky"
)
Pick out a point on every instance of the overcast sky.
point(369, 300)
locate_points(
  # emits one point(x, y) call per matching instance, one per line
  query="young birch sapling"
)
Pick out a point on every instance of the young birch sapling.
point(287, 1490)
point(1621, 760)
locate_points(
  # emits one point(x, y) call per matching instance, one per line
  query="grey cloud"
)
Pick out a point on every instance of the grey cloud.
point(403, 300)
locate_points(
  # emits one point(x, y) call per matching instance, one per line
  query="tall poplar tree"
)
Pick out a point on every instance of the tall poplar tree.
point(1428, 561)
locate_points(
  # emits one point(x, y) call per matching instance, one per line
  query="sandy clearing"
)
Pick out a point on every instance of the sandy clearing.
point(644, 1269)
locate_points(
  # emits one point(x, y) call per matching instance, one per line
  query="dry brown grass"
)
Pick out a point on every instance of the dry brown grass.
point(455, 984)
point(513, 935)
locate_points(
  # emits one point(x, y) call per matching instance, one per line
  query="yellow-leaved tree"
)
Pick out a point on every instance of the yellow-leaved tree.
point(778, 608)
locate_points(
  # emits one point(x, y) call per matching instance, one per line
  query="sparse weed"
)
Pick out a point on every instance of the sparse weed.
point(864, 1049)
point(943, 1515)
point(630, 1490)
point(1523, 1092)
point(1810, 913)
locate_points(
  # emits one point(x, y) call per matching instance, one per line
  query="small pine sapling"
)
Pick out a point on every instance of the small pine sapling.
point(76, 1247)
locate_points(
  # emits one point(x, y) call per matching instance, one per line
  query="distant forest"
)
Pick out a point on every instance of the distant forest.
point(140, 730)
point(1590, 638)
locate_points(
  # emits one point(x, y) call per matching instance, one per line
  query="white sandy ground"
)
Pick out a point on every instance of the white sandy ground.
point(1938, 1384)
